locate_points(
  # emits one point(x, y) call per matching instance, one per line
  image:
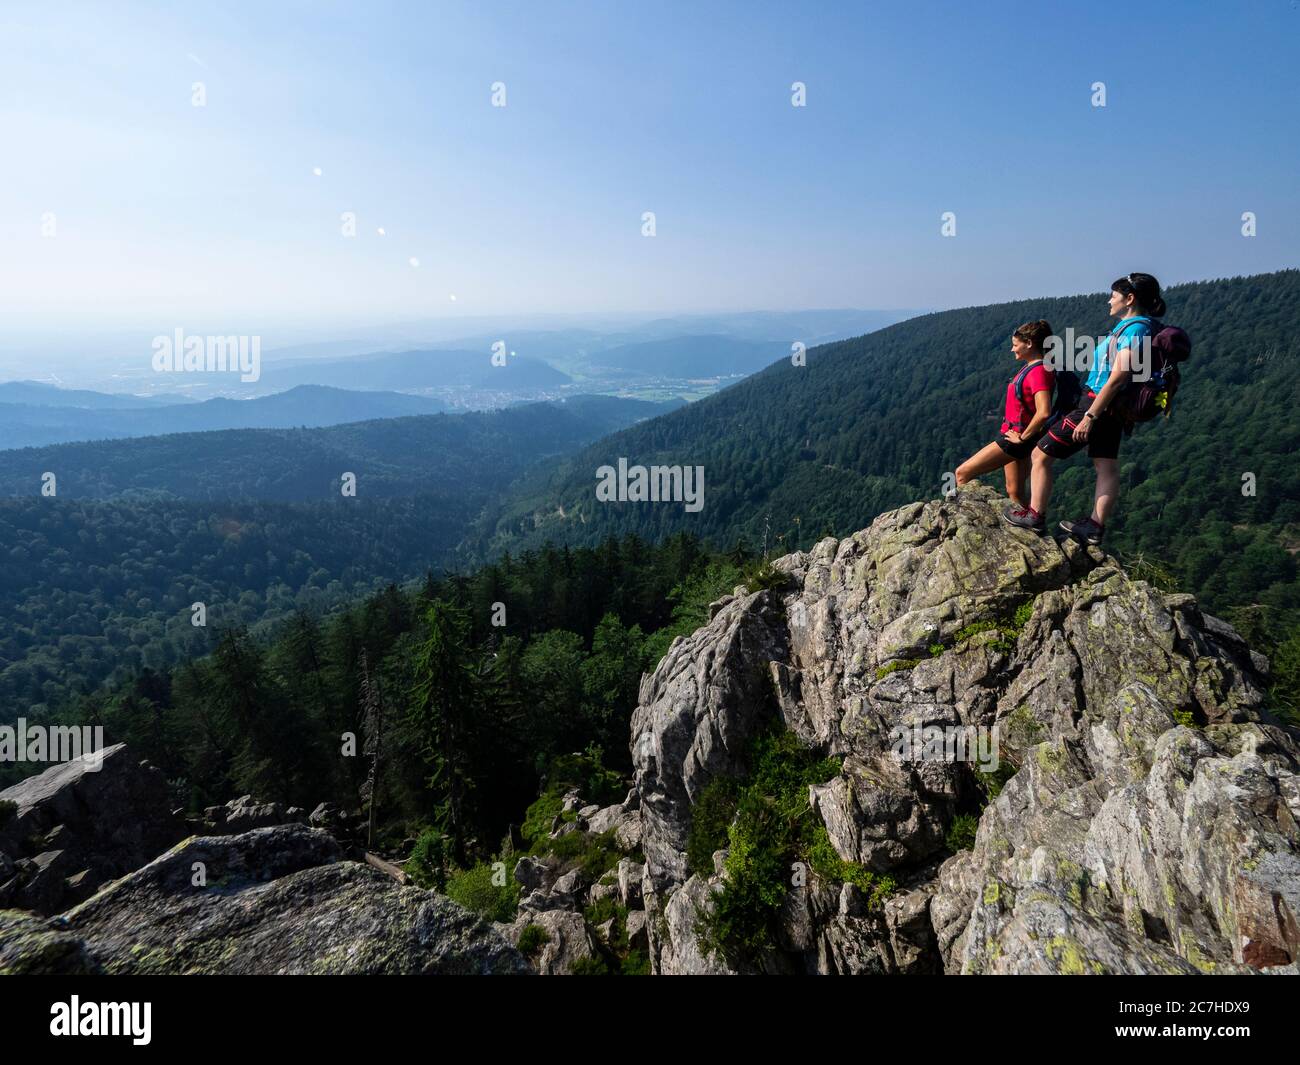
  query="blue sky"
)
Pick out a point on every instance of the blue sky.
point(166, 210)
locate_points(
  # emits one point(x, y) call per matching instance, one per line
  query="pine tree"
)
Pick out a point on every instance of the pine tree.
point(445, 702)
point(372, 724)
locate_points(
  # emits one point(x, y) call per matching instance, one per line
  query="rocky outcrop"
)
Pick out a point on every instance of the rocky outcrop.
point(276, 900)
point(245, 814)
point(565, 939)
point(557, 894)
point(29, 946)
point(79, 825)
point(1141, 812)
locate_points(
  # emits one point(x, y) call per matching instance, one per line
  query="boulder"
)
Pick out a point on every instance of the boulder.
point(103, 817)
point(246, 813)
point(630, 875)
point(568, 940)
point(29, 946)
point(279, 900)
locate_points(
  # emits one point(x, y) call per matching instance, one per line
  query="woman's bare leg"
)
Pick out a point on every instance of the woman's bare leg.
point(985, 460)
point(1040, 481)
point(1107, 489)
point(1017, 474)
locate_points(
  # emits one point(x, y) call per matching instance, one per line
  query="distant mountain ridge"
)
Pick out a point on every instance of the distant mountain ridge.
point(307, 406)
point(418, 369)
point(41, 394)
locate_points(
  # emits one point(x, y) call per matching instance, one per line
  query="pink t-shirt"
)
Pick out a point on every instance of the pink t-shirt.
point(1018, 414)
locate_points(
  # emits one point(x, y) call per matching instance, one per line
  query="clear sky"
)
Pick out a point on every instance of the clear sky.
point(164, 209)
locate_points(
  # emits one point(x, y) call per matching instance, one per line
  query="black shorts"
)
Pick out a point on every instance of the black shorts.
point(1021, 450)
point(1103, 439)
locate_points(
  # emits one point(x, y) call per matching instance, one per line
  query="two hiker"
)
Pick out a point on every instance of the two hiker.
point(1036, 432)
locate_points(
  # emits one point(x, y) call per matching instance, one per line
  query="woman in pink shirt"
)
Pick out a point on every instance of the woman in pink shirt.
point(1029, 405)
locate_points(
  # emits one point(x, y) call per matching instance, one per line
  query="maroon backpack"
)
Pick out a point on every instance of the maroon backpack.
point(1143, 400)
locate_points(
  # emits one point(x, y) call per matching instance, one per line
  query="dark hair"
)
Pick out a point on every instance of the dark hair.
point(1145, 290)
point(1034, 333)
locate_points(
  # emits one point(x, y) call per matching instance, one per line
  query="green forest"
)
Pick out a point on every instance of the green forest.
point(99, 580)
point(526, 659)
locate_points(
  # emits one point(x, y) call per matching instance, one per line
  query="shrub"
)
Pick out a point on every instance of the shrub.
point(637, 963)
point(609, 909)
point(1155, 572)
point(476, 890)
point(587, 774)
point(710, 818)
point(993, 783)
point(826, 862)
point(427, 865)
point(974, 629)
point(961, 833)
point(7, 809)
point(583, 772)
point(589, 967)
point(895, 666)
point(595, 855)
point(762, 576)
point(532, 939)
point(773, 828)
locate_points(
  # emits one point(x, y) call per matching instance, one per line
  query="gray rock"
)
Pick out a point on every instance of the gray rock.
point(246, 813)
point(1121, 833)
point(630, 875)
point(570, 886)
point(628, 832)
point(531, 873)
point(602, 891)
point(29, 946)
point(279, 900)
point(680, 951)
point(568, 940)
point(108, 821)
point(637, 938)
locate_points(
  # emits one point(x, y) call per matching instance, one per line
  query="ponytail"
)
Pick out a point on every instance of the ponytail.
point(1145, 291)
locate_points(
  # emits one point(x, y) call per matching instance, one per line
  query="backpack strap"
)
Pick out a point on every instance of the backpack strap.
point(1118, 332)
point(1020, 379)
point(1019, 386)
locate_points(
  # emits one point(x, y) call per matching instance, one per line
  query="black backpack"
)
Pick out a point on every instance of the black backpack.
point(1067, 389)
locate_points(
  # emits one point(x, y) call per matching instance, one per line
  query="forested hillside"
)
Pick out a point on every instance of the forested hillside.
point(390, 457)
point(99, 580)
point(794, 453)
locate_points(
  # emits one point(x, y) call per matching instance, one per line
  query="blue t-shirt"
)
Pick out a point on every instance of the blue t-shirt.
point(1129, 330)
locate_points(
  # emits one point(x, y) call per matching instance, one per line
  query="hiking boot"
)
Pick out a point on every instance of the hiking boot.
point(1085, 530)
point(1025, 518)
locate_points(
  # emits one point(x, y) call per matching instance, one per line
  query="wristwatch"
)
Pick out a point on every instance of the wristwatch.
point(1091, 415)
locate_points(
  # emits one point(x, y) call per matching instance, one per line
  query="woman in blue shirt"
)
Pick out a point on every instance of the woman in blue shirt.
point(1136, 301)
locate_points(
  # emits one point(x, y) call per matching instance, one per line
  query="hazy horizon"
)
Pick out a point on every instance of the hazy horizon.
point(125, 200)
